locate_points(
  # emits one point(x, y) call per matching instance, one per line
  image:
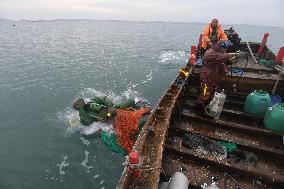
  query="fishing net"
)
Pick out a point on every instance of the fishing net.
point(126, 126)
point(267, 63)
point(203, 145)
point(110, 140)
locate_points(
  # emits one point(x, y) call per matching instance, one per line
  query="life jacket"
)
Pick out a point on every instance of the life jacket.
point(207, 34)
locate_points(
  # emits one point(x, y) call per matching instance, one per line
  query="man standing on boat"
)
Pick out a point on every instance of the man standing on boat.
point(212, 71)
point(212, 33)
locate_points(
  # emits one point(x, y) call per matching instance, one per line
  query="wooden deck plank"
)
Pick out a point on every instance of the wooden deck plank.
point(257, 143)
point(262, 170)
point(199, 173)
point(241, 127)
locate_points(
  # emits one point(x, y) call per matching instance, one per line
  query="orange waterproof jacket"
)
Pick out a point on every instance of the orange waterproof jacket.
point(207, 33)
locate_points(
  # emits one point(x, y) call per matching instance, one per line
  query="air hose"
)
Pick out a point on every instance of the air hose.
point(239, 71)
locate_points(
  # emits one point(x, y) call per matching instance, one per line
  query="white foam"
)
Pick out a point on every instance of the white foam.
point(62, 165)
point(86, 160)
point(169, 56)
point(102, 181)
point(85, 141)
point(88, 93)
point(95, 126)
point(70, 118)
point(68, 114)
point(96, 176)
point(126, 161)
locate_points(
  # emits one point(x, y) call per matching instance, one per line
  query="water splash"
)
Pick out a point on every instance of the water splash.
point(96, 176)
point(167, 59)
point(96, 126)
point(88, 93)
point(102, 181)
point(85, 141)
point(46, 174)
point(70, 117)
point(62, 165)
point(173, 57)
point(85, 161)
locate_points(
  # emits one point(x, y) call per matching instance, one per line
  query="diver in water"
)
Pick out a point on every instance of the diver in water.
point(101, 109)
point(97, 109)
point(127, 119)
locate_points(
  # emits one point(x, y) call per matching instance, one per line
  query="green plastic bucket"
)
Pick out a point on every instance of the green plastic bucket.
point(274, 118)
point(257, 103)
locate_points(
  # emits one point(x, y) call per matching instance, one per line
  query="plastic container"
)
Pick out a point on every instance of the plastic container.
point(274, 118)
point(164, 185)
point(178, 181)
point(213, 186)
point(215, 107)
point(237, 71)
point(257, 103)
point(221, 100)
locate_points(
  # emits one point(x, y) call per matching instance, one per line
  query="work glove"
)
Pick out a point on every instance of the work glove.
point(232, 60)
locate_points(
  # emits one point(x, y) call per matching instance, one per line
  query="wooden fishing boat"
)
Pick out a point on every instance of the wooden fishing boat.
point(161, 152)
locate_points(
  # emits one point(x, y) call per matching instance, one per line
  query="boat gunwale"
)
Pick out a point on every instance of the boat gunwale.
point(140, 142)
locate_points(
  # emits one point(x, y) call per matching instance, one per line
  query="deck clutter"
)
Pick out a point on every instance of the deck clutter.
point(178, 180)
point(241, 148)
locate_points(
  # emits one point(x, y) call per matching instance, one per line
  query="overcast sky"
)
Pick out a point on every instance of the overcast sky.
point(262, 12)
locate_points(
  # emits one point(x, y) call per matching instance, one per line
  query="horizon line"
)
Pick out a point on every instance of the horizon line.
point(114, 20)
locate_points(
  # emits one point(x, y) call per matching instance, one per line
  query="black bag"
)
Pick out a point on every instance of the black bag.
point(234, 38)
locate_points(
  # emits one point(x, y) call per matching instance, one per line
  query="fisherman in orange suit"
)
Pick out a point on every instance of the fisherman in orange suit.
point(212, 33)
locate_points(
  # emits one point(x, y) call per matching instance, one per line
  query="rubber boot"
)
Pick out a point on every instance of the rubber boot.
point(199, 109)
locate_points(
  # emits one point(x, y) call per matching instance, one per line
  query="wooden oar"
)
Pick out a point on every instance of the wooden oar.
point(255, 61)
point(281, 71)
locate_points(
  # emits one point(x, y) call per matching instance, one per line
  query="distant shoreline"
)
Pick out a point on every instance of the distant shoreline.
point(138, 21)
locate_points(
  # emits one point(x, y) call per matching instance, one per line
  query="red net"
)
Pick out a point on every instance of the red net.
point(126, 126)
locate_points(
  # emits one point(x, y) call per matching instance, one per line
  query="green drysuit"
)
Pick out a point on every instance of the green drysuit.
point(99, 107)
